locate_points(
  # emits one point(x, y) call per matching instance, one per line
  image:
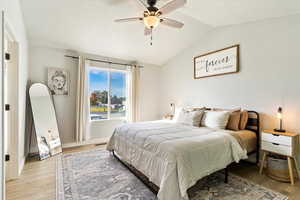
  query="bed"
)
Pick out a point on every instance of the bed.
point(172, 157)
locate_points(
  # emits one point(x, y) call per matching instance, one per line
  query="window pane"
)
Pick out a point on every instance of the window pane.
point(98, 93)
point(118, 94)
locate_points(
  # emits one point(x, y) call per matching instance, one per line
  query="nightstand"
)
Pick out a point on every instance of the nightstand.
point(168, 117)
point(285, 144)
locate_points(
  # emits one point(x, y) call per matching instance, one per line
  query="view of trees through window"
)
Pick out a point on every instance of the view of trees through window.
point(108, 92)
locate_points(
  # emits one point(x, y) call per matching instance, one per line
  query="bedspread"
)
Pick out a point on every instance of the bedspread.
point(174, 156)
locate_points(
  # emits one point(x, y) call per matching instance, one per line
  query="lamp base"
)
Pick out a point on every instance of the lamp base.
point(279, 130)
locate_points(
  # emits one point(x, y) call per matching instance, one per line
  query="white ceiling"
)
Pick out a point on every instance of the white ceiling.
point(87, 25)
point(228, 12)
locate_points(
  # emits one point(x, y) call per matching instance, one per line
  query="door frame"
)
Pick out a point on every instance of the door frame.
point(2, 176)
point(12, 169)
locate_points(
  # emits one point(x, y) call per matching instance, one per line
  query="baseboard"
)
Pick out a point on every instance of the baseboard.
point(33, 154)
point(90, 142)
point(75, 144)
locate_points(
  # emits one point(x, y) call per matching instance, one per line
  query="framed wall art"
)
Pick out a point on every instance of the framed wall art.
point(223, 61)
point(58, 81)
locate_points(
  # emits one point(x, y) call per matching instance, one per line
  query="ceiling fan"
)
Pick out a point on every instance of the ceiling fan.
point(153, 16)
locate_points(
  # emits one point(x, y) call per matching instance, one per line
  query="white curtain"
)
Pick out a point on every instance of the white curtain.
point(82, 103)
point(135, 94)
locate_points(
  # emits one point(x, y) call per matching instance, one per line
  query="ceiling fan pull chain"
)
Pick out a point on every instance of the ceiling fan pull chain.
point(151, 36)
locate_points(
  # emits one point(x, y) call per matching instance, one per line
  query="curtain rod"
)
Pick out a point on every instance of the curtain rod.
point(103, 61)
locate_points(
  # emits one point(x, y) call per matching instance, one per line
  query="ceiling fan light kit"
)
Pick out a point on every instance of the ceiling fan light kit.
point(152, 15)
point(151, 21)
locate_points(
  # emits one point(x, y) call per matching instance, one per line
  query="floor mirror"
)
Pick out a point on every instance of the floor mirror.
point(44, 119)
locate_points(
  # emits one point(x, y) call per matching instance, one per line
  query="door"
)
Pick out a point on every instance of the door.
point(7, 119)
point(2, 182)
point(10, 99)
point(6, 125)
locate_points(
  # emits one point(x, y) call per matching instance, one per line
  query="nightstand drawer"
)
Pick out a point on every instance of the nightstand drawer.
point(277, 148)
point(279, 139)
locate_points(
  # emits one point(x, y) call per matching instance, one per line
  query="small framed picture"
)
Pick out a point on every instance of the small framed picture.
point(223, 61)
point(58, 81)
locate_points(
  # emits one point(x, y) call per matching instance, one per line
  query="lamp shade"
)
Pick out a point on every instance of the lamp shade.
point(279, 113)
point(172, 108)
point(279, 116)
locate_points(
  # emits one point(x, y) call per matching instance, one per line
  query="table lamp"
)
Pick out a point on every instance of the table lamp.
point(279, 116)
point(172, 109)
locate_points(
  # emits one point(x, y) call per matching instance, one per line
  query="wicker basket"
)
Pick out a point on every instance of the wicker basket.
point(278, 168)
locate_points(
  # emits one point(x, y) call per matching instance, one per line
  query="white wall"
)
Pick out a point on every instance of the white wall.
point(149, 93)
point(14, 18)
point(268, 78)
point(43, 57)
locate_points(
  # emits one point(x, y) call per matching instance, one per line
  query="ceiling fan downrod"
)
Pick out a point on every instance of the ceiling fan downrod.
point(152, 4)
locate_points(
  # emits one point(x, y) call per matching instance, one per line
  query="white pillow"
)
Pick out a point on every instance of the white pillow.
point(190, 118)
point(215, 119)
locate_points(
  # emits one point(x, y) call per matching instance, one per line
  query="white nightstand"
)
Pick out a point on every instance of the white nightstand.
point(168, 117)
point(285, 144)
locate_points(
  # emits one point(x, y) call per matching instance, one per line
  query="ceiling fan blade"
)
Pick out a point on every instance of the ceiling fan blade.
point(140, 5)
point(132, 19)
point(147, 31)
point(172, 23)
point(171, 6)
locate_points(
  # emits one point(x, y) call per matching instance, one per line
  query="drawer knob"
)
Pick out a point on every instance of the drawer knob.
point(275, 134)
point(275, 143)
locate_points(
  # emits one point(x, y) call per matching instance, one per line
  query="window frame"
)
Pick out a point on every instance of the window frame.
point(127, 88)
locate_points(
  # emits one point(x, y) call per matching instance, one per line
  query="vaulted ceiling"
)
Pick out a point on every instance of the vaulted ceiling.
point(87, 25)
point(228, 12)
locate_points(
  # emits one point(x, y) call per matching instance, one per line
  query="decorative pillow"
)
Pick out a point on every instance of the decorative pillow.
point(234, 121)
point(243, 120)
point(234, 118)
point(191, 118)
point(215, 119)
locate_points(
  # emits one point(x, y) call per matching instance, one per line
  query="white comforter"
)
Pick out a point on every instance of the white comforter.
point(174, 156)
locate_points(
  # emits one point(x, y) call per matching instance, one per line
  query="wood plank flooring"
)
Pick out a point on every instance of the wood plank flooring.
point(38, 178)
point(37, 181)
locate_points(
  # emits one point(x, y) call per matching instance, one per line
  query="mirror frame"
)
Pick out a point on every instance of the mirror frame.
point(33, 125)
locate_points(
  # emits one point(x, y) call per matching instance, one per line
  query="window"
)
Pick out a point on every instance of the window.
point(108, 93)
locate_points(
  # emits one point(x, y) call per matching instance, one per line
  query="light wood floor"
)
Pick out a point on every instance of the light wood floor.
point(37, 181)
point(38, 178)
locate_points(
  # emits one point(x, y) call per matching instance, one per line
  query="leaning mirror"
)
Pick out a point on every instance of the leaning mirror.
point(45, 122)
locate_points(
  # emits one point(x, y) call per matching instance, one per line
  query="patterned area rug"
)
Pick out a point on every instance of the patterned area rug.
point(97, 175)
